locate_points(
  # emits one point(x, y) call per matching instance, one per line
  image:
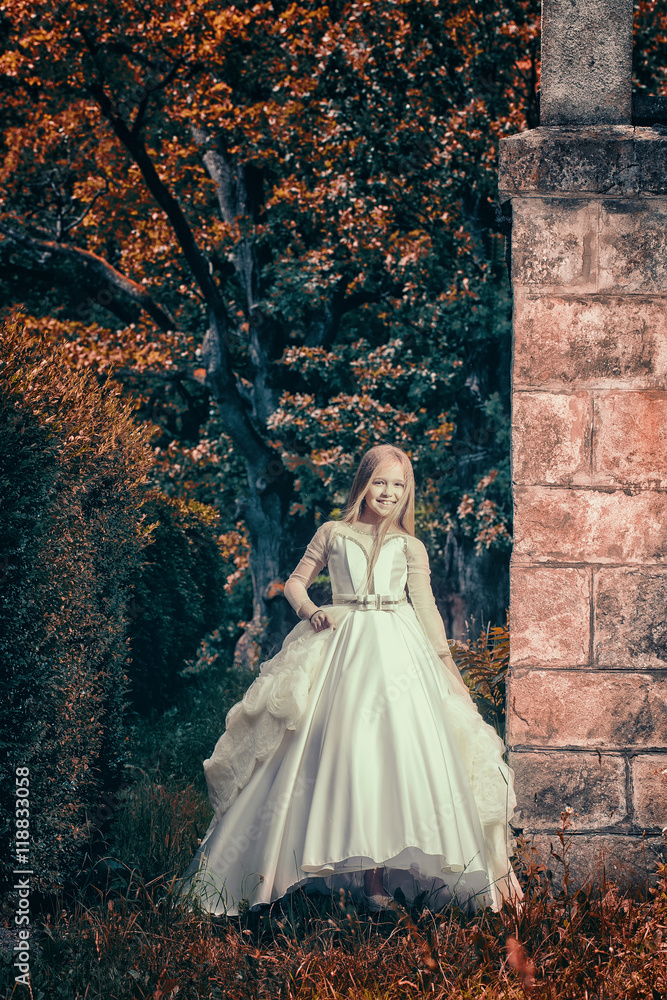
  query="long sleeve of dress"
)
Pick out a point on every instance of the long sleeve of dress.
point(312, 562)
point(423, 601)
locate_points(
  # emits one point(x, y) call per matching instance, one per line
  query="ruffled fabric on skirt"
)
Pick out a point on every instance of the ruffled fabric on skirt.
point(355, 748)
point(254, 727)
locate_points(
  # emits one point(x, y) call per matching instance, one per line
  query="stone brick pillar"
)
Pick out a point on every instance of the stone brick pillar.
point(587, 693)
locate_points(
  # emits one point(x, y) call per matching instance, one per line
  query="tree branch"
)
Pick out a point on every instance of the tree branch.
point(322, 332)
point(215, 350)
point(231, 187)
point(232, 200)
point(197, 261)
point(86, 258)
point(75, 222)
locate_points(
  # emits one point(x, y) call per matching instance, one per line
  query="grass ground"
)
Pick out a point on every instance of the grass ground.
point(121, 934)
point(139, 943)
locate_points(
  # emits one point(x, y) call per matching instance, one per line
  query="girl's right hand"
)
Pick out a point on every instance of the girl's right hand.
point(322, 620)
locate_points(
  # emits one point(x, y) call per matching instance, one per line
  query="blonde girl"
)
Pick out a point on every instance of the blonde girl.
point(357, 758)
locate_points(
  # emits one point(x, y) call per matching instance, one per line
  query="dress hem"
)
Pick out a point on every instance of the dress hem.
point(469, 888)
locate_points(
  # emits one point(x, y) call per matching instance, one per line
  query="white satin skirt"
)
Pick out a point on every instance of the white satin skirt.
point(354, 748)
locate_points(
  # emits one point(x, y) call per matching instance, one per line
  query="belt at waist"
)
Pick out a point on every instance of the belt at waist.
point(371, 602)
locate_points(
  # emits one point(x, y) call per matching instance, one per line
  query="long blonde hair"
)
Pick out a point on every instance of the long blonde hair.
point(402, 514)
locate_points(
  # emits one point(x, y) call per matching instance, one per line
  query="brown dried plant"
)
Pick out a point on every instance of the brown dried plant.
point(484, 662)
point(559, 943)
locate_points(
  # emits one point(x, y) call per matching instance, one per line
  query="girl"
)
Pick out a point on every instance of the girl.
point(357, 758)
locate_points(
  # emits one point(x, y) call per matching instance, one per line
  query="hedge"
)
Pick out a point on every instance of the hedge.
point(177, 597)
point(73, 468)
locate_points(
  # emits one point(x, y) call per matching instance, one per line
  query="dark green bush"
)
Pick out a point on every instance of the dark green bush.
point(177, 598)
point(106, 589)
point(155, 831)
point(72, 470)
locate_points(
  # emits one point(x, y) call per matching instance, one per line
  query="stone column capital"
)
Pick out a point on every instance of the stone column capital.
point(605, 160)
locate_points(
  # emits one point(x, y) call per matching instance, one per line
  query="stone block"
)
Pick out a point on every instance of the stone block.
point(565, 160)
point(610, 160)
point(630, 443)
point(592, 785)
point(551, 437)
point(606, 709)
point(554, 244)
point(629, 862)
point(573, 342)
point(630, 617)
point(557, 524)
point(633, 246)
point(586, 75)
point(649, 791)
point(550, 616)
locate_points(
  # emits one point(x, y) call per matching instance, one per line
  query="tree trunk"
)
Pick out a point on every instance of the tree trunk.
point(471, 590)
point(266, 515)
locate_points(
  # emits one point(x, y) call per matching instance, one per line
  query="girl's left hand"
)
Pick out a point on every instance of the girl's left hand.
point(322, 620)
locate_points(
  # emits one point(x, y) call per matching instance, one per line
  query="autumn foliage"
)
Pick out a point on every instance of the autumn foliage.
point(288, 209)
point(276, 222)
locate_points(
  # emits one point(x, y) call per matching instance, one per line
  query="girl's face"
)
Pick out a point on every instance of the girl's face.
point(385, 490)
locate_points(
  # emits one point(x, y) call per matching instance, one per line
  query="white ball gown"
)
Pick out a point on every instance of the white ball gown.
point(358, 747)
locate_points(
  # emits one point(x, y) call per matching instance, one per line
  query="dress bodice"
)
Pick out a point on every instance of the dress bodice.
point(402, 565)
point(348, 564)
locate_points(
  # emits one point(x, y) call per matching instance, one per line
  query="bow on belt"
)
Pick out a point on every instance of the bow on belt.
point(371, 602)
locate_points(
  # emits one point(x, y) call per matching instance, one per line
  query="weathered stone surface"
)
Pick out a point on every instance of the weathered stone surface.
point(627, 861)
point(553, 432)
point(610, 160)
point(564, 160)
point(608, 709)
point(554, 244)
point(575, 342)
point(589, 462)
point(551, 437)
point(649, 790)
point(585, 246)
point(630, 618)
point(632, 252)
point(592, 785)
point(586, 62)
point(630, 445)
point(550, 616)
point(556, 524)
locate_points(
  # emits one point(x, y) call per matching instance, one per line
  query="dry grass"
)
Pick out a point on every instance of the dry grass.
point(138, 944)
point(125, 937)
